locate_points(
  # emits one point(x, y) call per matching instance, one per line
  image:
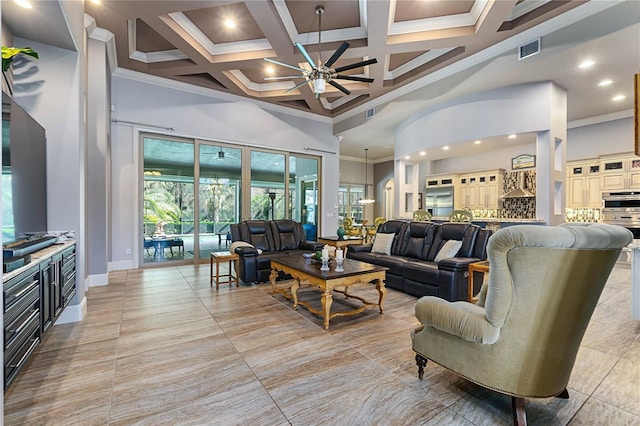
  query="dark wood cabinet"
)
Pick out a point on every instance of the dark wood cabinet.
point(34, 298)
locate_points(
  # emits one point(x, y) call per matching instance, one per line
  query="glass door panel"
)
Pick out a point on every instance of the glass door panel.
point(267, 186)
point(220, 194)
point(303, 194)
point(168, 200)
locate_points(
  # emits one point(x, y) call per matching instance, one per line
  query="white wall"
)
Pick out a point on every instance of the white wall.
point(611, 137)
point(205, 114)
point(53, 93)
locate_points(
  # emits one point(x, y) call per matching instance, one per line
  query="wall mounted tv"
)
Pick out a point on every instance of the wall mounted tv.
point(24, 173)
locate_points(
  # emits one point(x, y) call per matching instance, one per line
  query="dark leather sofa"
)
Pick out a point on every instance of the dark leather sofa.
point(276, 238)
point(411, 264)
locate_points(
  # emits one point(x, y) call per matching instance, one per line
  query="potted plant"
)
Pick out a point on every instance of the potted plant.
point(8, 53)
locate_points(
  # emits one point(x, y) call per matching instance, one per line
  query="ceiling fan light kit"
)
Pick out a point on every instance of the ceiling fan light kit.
point(321, 74)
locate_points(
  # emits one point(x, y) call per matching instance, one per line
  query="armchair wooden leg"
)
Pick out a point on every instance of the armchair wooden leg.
point(422, 362)
point(564, 394)
point(519, 415)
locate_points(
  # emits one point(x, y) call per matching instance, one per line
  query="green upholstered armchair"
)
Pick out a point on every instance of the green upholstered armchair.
point(522, 337)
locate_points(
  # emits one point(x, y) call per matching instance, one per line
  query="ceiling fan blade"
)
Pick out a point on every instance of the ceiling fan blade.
point(297, 87)
point(287, 77)
point(356, 65)
point(282, 64)
point(344, 46)
point(306, 55)
point(340, 87)
point(353, 78)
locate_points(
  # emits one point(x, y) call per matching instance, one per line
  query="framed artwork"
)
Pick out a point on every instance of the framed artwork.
point(523, 161)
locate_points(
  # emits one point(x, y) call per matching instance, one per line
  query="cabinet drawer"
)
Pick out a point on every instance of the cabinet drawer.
point(22, 304)
point(16, 333)
point(19, 286)
point(14, 362)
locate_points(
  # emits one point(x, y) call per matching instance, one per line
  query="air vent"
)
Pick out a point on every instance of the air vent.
point(370, 113)
point(529, 49)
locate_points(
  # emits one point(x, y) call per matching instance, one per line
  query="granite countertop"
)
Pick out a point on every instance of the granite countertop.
point(37, 257)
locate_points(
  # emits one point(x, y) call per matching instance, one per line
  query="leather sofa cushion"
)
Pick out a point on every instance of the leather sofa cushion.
point(417, 239)
point(426, 272)
point(287, 234)
point(460, 231)
point(396, 227)
point(257, 233)
point(394, 263)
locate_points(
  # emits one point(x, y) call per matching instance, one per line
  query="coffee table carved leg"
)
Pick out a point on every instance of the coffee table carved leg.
point(294, 293)
point(382, 291)
point(272, 277)
point(327, 300)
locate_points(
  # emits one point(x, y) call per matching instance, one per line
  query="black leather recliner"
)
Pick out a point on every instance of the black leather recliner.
point(275, 238)
point(412, 266)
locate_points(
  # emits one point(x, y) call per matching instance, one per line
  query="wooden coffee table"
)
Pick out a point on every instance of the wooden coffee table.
point(306, 271)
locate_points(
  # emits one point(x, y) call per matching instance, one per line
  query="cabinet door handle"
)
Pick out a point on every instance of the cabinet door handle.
point(24, 291)
point(34, 313)
point(26, 355)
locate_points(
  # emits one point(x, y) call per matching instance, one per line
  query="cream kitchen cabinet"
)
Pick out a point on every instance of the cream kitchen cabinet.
point(620, 172)
point(439, 181)
point(584, 184)
point(480, 190)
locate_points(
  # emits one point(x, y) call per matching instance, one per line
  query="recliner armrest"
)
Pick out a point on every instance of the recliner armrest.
point(247, 251)
point(359, 248)
point(456, 263)
point(310, 245)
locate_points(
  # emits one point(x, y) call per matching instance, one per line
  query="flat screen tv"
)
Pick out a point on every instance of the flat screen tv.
point(24, 173)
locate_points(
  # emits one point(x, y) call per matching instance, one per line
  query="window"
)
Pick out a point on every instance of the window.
point(348, 205)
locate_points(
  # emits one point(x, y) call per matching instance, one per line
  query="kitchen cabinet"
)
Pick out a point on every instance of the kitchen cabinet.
point(620, 172)
point(439, 181)
point(34, 297)
point(480, 190)
point(584, 184)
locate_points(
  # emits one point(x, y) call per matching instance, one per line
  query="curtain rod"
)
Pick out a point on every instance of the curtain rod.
point(115, 120)
point(319, 150)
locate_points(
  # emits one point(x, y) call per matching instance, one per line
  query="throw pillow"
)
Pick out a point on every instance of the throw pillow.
point(382, 243)
point(449, 249)
point(237, 244)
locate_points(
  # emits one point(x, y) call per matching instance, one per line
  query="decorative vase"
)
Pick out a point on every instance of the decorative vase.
point(340, 233)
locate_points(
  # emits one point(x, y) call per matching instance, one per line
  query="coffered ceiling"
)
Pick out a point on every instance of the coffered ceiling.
point(189, 41)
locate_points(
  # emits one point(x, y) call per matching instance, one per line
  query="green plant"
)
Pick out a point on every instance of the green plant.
point(8, 53)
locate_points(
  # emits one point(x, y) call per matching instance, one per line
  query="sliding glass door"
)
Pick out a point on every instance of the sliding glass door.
point(194, 190)
point(219, 195)
point(168, 200)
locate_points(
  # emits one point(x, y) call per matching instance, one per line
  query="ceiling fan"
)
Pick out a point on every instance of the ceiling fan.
point(321, 74)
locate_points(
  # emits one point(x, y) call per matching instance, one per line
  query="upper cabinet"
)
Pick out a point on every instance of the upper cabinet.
point(583, 184)
point(620, 172)
point(438, 181)
point(479, 190)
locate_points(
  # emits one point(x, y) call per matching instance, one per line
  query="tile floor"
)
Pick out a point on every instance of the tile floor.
point(161, 346)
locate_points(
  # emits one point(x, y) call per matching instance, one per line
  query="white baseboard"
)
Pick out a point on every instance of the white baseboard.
point(73, 313)
point(97, 280)
point(121, 265)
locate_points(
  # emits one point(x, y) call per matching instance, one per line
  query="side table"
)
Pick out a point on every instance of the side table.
point(475, 267)
point(223, 256)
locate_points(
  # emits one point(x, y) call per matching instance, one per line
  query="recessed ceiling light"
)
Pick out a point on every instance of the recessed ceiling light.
point(269, 70)
point(618, 98)
point(586, 64)
point(446, 147)
point(478, 142)
point(512, 136)
point(229, 23)
point(407, 157)
point(95, 1)
point(23, 3)
point(423, 153)
point(605, 82)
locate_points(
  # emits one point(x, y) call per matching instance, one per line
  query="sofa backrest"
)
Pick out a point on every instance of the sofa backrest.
point(417, 239)
point(460, 231)
point(257, 233)
point(396, 227)
point(287, 234)
point(480, 247)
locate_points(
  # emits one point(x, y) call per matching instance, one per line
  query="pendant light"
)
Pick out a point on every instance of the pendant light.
point(366, 200)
